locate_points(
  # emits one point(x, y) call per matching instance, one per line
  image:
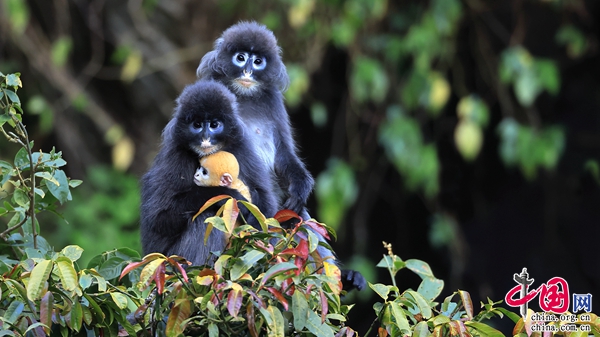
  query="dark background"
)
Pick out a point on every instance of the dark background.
point(100, 77)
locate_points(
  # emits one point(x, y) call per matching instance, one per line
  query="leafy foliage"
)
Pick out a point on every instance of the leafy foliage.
point(271, 282)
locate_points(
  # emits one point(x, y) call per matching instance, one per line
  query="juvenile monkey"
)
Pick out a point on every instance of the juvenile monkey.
point(221, 169)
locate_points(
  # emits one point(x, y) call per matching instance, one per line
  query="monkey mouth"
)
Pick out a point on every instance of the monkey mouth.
point(246, 82)
point(206, 149)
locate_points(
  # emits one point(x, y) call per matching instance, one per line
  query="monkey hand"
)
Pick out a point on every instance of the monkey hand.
point(351, 279)
point(298, 192)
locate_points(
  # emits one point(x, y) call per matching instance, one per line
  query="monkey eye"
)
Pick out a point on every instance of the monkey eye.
point(239, 59)
point(197, 125)
point(258, 62)
point(215, 126)
point(204, 171)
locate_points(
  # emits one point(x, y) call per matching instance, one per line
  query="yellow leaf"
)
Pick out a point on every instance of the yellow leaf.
point(132, 67)
point(299, 13)
point(439, 92)
point(468, 138)
point(122, 153)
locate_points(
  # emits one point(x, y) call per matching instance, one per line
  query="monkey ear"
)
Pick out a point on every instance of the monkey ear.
point(226, 180)
point(208, 64)
point(282, 79)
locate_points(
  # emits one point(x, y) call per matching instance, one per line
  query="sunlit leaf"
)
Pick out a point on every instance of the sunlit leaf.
point(60, 192)
point(241, 266)
point(131, 68)
point(39, 276)
point(381, 289)
point(276, 324)
point(180, 311)
point(468, 138)
point(123, 153)
point(67, 273)
point(119, 299)
point(421, 302)
point(234, 299)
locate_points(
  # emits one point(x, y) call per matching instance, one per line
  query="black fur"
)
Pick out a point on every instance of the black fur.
point(261, 108)
point(169, 195)
point(264, 115)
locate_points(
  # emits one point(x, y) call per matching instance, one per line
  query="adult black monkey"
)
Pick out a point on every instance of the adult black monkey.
point(247, 59)
point(205, 121)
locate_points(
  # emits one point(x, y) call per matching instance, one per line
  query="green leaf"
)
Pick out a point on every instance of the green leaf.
point(213, 330)
point(430, 288)
point(421, 302)
point(60, 50)
point(299, 310)
point(47, 176)
point(419, 267)
point(548, 75)
point(368, 80)
point(67, 273)
point(22, 159)
point(421, 330)
point(119, 299)
point(14, 310)
point(241, 265)
point(399, 317)
point(12, 96)
point(18, 15)
point(381, 289)
point(484, 329)
point(276, 270)
point(316, 327)
point(37, 279)
point(178, 314)
point(60, 192)
point(13, 80)
point(21, 198)
point(73, 252)
point(336, 191)
point(76, 315)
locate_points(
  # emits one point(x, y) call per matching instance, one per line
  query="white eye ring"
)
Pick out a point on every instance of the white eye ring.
point(239, 59)
point(258, 63)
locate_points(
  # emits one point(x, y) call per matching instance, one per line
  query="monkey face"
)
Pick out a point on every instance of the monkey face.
point(245, 84)
point(210, 135)
point(206, 118)
point(247, 59)
point(202, 177)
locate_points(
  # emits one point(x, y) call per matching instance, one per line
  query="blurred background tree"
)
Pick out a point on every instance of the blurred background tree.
point(465, 132)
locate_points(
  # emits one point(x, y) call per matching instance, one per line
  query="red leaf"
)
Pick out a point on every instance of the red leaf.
point(279, 296)
point(159, 278)
point(269, 249)
point(285, 215)
point(299, 262)
point(318, 228)
point(257, 299)
point(324, 306)
point(131, 267)
point(287, 286)
point(209, 203)
point(250, 317)
point(234, 302)
point(178, 266)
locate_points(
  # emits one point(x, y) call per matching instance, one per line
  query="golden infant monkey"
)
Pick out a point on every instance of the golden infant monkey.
point(221, 169)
